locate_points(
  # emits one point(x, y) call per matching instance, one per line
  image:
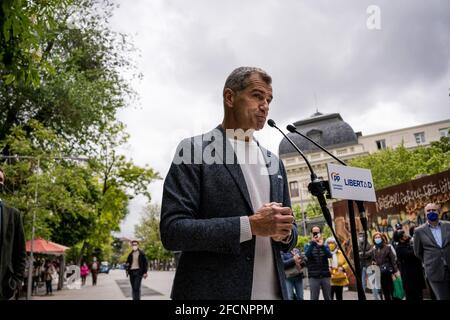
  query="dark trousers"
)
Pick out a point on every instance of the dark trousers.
point(387, 286)
point(442, 288)
point(48, 285)
point(94, 278)
point(135, 280)
point(338, 291)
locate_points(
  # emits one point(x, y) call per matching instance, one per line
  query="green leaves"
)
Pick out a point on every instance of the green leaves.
point(394, 166)
point(148, 231)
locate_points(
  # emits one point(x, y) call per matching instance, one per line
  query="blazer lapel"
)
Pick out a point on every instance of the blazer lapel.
point(430, 235)
point(235, 169)
point(273, 178)
point(445, 229)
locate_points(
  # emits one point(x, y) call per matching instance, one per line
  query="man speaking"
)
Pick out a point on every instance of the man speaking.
point(226, 203)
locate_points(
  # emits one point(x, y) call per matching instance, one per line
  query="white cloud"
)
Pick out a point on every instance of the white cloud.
point(187, 48)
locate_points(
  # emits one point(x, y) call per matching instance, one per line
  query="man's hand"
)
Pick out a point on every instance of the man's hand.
point(272, 220)
point(318, 240)
point(145, 276)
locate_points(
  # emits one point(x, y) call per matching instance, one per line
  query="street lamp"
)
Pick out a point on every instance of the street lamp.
point(33, 227)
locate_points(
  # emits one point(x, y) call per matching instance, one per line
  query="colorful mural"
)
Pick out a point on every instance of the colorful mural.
point(403, 203)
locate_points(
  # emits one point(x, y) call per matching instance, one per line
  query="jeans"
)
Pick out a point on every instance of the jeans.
point(48, 285)
point(363, 277)
point(295, 284)
point(316, 283)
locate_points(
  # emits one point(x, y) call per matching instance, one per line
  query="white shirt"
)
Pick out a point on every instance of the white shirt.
point(253, 166)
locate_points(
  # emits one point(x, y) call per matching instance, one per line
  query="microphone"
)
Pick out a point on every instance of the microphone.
point(271, 123)
point(317, 187)
point(360, 204)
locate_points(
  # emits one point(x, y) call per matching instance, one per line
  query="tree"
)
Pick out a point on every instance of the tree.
point(77, 79)
point(148, 231)
point(313, 209)
point(79, 205)
point(394, 166)
point(61, 85)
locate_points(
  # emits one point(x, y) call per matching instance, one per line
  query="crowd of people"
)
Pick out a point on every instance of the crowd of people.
point(418, 259)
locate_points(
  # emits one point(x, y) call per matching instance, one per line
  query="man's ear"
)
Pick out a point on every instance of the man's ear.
point(228, 97)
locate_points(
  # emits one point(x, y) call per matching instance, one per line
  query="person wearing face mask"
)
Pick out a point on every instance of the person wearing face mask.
point(432, 247)
point(338, 269)
point(410, 267)
point(365, 257)
point(94, 270)
point(12, 248)
point(317, 254)
point(384, 258)
point(137, 267)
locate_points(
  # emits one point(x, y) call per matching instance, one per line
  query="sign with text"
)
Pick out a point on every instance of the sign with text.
point(351, 183)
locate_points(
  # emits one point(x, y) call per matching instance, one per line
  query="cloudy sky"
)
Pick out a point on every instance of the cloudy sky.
point(377, 79)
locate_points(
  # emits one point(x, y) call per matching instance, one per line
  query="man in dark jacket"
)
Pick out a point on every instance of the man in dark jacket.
point(137, 267)
point(226, 203)
point(410, 268)
point(12, 248)
point(319, 274)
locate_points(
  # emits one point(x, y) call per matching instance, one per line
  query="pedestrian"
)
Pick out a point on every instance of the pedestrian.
point(84, 272)
point(294, 263)
point(410, 268)
point(94, 270)
point(317, 254)
point(49, 275)
point(384, 258)
point(338, 269)
point(36, 276)
point(365, 257)
point(12, 247)
point(137, 268)
point(226, 203)
point(432, 247)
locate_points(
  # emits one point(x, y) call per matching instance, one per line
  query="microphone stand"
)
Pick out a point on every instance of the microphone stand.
point(351, 214)
point(318, 188)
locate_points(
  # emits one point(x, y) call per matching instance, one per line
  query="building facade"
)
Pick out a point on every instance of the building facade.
point(337, 136)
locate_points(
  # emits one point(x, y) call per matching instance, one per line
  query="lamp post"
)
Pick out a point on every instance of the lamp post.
point(33, 227)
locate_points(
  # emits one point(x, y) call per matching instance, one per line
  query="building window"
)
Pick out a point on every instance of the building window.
point(381, 144)
point(341, 152)
point(293, 187)
point(445, 132)
point(420, 137)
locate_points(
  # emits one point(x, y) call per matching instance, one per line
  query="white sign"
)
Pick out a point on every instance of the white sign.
point(351, 183)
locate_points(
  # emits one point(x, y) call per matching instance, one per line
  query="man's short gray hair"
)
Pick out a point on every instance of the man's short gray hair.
point(237, 80)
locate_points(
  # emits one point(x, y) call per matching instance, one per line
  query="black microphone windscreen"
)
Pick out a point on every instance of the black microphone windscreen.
point(271, 123)
point(291, 128)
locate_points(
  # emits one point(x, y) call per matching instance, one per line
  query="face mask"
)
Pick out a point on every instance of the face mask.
point(332, 246)
point(432, 216)
point(378, 241)
point(135, 248)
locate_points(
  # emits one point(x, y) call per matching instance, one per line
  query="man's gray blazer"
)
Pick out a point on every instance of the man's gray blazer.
point(200, 216)
point(427, 250)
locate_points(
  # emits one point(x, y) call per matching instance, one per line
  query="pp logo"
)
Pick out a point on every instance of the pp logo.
point(335, 176)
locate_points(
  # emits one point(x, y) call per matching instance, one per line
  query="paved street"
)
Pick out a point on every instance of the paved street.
point(115, 286)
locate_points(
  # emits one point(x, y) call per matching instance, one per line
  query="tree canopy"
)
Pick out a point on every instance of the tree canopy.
point(393, 166)
point(61, 85)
